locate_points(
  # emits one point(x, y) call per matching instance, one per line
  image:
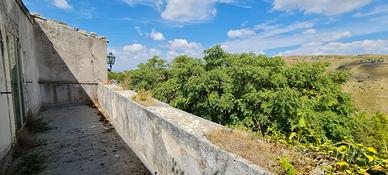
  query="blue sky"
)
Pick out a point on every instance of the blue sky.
point(139, 29)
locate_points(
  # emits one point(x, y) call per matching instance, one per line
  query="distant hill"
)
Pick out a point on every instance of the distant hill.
point(368, 84)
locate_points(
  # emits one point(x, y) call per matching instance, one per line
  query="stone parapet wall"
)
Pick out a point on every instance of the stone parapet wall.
point(168, 140)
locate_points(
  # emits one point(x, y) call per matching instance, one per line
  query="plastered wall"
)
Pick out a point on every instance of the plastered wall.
point(13, 20)
point(59, 64)
point(71, 62)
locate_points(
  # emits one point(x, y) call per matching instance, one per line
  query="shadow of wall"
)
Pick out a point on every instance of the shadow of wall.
point(71, 63)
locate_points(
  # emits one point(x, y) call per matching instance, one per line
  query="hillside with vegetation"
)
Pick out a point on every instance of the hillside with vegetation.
point(368, 82)
point(300, 109)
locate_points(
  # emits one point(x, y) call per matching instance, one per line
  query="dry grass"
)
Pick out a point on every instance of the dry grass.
point(125, 83)
point(336, 60)
point(35, 124)
point(368, 84)
point(262, 153)
point(144, 98)
point(118, 88)
point(26, 158)
point(368, 87)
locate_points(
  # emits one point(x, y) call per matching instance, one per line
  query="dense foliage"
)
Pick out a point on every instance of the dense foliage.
point(116, 76)
point(371, 130)
point(261, 93)
point(302, 102)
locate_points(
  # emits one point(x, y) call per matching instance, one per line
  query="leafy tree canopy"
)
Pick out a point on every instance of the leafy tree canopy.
point(258, 92)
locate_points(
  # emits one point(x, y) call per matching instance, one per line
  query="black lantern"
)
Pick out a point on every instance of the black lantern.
point(111, 60)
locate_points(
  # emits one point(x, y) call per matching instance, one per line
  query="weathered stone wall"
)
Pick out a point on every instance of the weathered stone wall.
point(59, 64)
point(72, 62)
point(168, 140)
point(16, 21)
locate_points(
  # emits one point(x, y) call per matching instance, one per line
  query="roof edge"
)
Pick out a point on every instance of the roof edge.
point(25, 10)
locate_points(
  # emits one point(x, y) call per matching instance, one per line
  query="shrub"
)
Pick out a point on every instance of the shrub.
point(148, 75)
point(371, 130)
point(118, 76)
point(259, 92)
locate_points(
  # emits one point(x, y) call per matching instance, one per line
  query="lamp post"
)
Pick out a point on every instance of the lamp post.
point(111, 60)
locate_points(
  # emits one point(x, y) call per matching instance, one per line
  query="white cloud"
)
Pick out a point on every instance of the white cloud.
point(326, 7)
point(182, 44)
point(185, 11)
point(278, 36)
point(310, 31)
point(129, 56)
point(184, 47)
point(269, 30)
point(62, 4)
point(269, 25)
point(153, 3)
point(112, 50)
point(138, 52)
point(381, 9)
point(189, 10)
point(134, 48)
point(260, 52)
point(157, 36)
point(240, 33)
point(172, 54)
point(138, 31)
point(258, 43)
point(154, 52)
point(341, 48)
point(270, 36)
point(332, 36)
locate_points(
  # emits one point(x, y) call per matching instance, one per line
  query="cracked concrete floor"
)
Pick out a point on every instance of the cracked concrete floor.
point(81, 143)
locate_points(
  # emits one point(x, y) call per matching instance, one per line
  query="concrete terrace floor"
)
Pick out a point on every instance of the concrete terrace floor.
point(80, 142)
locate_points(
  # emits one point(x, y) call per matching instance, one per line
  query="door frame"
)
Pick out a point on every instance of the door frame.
point(18, 100)
point(4, 69)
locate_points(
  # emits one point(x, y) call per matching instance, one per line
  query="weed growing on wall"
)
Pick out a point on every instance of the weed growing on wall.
point(144, 97)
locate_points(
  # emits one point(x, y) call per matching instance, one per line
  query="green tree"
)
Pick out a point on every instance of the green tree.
point(262, 93)
point(148, 75)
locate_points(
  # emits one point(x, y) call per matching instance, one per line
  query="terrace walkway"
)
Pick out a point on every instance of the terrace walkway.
point(80, 142)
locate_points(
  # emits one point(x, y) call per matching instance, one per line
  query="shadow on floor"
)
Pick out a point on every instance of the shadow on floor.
point(79, 142)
